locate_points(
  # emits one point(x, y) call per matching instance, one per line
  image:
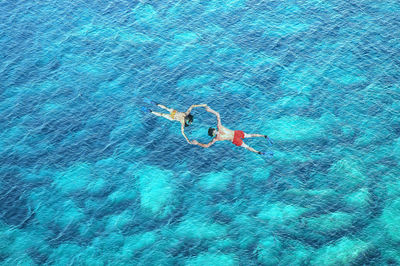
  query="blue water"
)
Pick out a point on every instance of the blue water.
point(86, 178)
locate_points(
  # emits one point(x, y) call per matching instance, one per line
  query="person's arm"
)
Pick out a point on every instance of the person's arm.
point(195, 142)
point(208, 109)
point(194, 106)
point(183, 133)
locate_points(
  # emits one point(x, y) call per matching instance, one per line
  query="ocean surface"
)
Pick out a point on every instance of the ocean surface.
point(87, 178)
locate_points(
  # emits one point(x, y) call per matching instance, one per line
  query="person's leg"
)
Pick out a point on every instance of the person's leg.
point(167, 116)
point(253, 135)
point(164, 107)
point(259, 135)
point(244, 145)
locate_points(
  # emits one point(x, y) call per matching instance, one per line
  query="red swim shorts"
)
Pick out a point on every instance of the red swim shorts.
point(238, 138)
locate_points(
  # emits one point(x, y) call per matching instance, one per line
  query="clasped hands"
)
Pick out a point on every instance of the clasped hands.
point(208, 109)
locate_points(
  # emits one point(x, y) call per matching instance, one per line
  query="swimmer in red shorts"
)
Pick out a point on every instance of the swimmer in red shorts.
point(224, 133)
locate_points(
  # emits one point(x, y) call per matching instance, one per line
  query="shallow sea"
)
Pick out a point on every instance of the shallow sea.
point(86, 178)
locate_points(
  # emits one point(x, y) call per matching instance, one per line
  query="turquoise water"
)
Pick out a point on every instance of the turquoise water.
point(86, 178)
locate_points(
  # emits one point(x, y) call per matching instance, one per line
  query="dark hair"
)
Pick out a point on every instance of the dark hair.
point(188, 120)
point(211, 132)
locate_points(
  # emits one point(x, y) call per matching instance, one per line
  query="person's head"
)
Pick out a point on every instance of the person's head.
point(212, 132)
point(188, 120)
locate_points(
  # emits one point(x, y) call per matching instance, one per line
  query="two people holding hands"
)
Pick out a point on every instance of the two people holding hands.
point(220, 134)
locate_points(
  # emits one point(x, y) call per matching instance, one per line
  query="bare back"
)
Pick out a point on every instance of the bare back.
point(180, 117)
point(224, 133)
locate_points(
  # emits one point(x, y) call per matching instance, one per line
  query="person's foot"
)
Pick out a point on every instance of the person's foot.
point(269, 140)
point(148, 101)
point(145, 110)
point(267, 154)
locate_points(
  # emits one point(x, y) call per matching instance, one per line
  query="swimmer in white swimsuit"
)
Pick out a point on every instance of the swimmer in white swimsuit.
point(185, 118)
